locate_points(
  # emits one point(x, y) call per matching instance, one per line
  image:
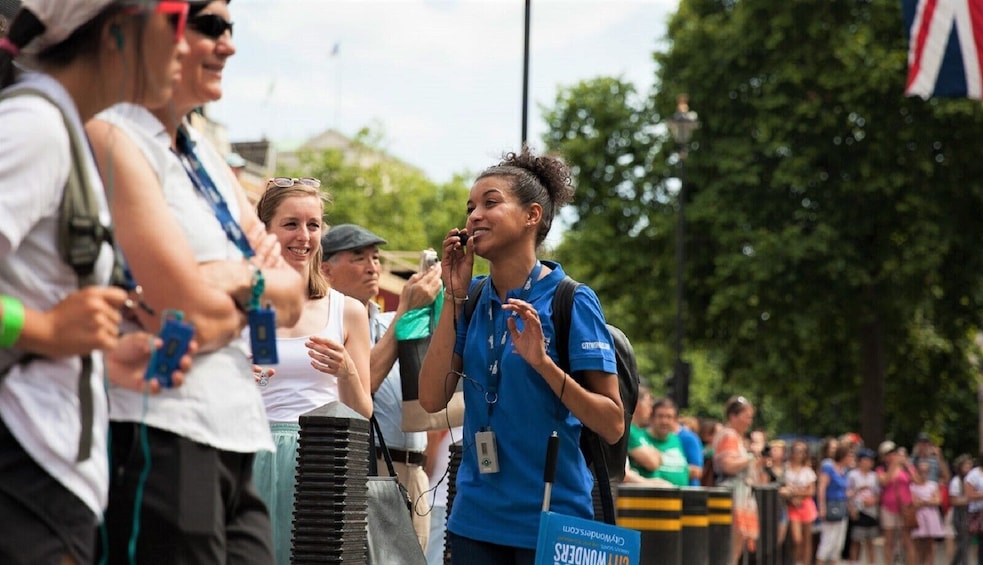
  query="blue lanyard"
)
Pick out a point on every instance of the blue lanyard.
point(206, 187)
point(497, 346)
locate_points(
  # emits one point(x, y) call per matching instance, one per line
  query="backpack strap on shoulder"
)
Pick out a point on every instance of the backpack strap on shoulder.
point(80, 238)
point(562, 314)
point(474, 295)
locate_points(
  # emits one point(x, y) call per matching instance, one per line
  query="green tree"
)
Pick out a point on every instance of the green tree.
point(398, 201)
point(622, 216)
point(833, 241)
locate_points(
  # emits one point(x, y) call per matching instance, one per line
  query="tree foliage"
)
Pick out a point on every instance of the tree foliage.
point(833, 226)
point(390, 197)
point(622, 218)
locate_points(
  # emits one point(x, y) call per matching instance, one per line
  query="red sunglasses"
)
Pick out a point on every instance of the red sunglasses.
point(176, 12)
point(178, 15)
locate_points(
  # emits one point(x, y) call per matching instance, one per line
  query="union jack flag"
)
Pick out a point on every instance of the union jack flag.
point(945, 42)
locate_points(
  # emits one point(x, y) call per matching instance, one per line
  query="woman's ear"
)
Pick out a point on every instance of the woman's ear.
point(534, 214)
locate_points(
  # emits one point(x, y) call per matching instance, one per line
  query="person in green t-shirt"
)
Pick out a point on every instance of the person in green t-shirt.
point(674, 467)
point(643, 457)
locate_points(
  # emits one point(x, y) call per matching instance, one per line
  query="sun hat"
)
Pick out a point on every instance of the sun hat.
point(60, 19)
point(886, 447)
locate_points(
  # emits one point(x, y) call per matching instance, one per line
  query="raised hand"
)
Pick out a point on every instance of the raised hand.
point(422, 288)
point(265, 245)
point(329, 356)
point(457, 264)
point(126, 364)
point(86, 320)
point(529, 342)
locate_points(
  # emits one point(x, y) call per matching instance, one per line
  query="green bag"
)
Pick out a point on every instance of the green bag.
point(419, 322)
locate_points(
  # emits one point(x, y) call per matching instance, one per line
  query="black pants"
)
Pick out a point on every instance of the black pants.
point(960, 523)
point(42, 521)
point(199, 504)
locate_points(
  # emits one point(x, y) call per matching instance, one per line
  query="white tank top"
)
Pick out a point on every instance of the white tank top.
point(297, 387)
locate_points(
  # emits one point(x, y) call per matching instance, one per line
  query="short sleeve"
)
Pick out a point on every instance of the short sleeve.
point(591, 347)
point(33, 168)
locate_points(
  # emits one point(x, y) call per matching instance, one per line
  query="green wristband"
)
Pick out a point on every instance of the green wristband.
point(12, 323)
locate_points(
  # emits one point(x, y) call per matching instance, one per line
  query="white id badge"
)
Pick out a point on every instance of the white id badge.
point(487, 451)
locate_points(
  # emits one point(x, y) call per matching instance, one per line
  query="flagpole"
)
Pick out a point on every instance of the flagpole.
point(525, 74)
point(335, 50)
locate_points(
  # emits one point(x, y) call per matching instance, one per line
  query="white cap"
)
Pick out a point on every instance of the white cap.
point(61, 18)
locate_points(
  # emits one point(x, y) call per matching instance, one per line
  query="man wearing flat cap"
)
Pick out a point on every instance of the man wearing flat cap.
point(351, 264)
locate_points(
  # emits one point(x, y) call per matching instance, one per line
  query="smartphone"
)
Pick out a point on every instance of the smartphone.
point(428, 258)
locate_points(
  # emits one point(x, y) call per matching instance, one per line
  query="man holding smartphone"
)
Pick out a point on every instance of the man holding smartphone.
point(351, 263)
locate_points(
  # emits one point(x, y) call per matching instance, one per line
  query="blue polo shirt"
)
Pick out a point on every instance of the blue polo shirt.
point(504, 507)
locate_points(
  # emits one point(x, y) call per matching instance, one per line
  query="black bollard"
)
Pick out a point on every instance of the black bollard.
point(695, 522)
point(767, 551)
point(656, 512)
point(720, 504)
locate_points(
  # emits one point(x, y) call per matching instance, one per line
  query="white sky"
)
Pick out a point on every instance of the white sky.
point(442, 78)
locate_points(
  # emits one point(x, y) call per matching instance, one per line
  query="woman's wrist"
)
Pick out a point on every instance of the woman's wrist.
point(11, 321)
point(452, 296)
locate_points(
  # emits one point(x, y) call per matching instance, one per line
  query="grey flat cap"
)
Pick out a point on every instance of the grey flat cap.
point(347, 236)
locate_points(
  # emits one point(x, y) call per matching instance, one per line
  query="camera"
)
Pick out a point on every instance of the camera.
point(428, 258)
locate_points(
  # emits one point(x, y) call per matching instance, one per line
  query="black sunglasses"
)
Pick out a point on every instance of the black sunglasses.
point(211, 25)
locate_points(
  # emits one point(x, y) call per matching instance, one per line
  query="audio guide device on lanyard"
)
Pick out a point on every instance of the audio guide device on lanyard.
point(262, 321)
point(176, 336)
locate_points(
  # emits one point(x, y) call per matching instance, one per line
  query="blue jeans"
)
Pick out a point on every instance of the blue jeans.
point(466, 551)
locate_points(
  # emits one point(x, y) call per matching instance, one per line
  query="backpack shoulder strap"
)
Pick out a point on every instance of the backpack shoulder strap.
point(80, 232)
point(474, 295)
point(562, 316)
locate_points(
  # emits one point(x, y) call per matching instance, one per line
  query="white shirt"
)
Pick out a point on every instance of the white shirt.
point(219, 404)
point(857, 480)
point(800, 478)
point(387, 402)
point(39, 401)
point(975, 478)
point(298, 388)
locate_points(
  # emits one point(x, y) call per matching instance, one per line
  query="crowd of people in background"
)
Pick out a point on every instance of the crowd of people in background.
point(837, 496)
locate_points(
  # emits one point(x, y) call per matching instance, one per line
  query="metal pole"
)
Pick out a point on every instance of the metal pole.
point(680, 262)
point(525, 75)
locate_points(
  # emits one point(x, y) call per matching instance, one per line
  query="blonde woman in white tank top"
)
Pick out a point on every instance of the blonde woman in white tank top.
point(323, 358)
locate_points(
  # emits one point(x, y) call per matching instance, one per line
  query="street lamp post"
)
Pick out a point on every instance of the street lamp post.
point(682, 125)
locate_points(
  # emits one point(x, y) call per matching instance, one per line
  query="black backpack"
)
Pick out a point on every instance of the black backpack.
point(607, 461)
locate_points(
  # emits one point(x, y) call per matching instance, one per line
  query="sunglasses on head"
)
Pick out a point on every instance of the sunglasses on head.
point(287, 182)
point(211, 25)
